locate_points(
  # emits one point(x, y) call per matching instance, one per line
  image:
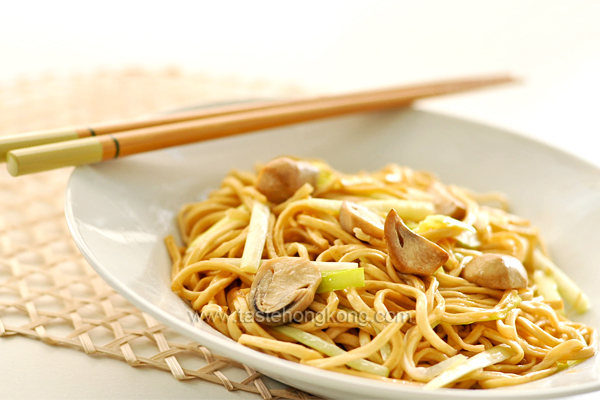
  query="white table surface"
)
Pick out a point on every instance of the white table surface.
point(554, 46)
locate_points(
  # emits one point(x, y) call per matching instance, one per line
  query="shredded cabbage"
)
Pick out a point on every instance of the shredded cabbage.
point(566, 287)
point(331, 350)
point(257, 236)
point(339, 280)
point(484, 359)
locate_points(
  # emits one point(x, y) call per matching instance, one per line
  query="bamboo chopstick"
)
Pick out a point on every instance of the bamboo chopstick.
point(30, 139)
point(222, 122)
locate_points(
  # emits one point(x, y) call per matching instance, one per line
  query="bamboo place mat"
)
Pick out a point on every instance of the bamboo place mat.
point(48, 291)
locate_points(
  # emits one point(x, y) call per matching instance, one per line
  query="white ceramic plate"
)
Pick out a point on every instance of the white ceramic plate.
point(120, 211)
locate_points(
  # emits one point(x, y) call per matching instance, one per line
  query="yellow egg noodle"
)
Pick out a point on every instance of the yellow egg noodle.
point(389, 275)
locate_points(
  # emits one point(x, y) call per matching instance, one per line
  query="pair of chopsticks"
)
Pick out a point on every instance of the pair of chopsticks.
point(40, 151)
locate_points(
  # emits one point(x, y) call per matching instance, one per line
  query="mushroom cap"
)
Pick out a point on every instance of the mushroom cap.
point(411, 253)
point(279, 179)
point(445, 203)
point(283, 287)
point(496, 271)
point(353, 216)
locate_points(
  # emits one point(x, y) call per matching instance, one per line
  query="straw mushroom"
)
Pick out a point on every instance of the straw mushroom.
point(279, 179)
point(496, 271)
point(445, 203)
point(409, 252)
point(353, 216)
point(282, 288)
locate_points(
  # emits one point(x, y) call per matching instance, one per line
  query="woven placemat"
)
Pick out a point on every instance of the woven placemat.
point(48, 291)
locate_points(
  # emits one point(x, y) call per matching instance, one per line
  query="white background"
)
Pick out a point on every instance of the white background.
point(325, 46)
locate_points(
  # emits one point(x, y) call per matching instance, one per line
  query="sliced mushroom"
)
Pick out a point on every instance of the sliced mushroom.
point(496, 271)
point(353, 216)
point(409, 252)
point(445, 203)
point(279, 179)
point(282, 288)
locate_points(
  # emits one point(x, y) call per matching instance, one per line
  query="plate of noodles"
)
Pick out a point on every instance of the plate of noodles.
point(389, 255)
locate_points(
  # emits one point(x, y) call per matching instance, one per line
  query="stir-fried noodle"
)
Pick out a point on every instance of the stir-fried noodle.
point(468, 323)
